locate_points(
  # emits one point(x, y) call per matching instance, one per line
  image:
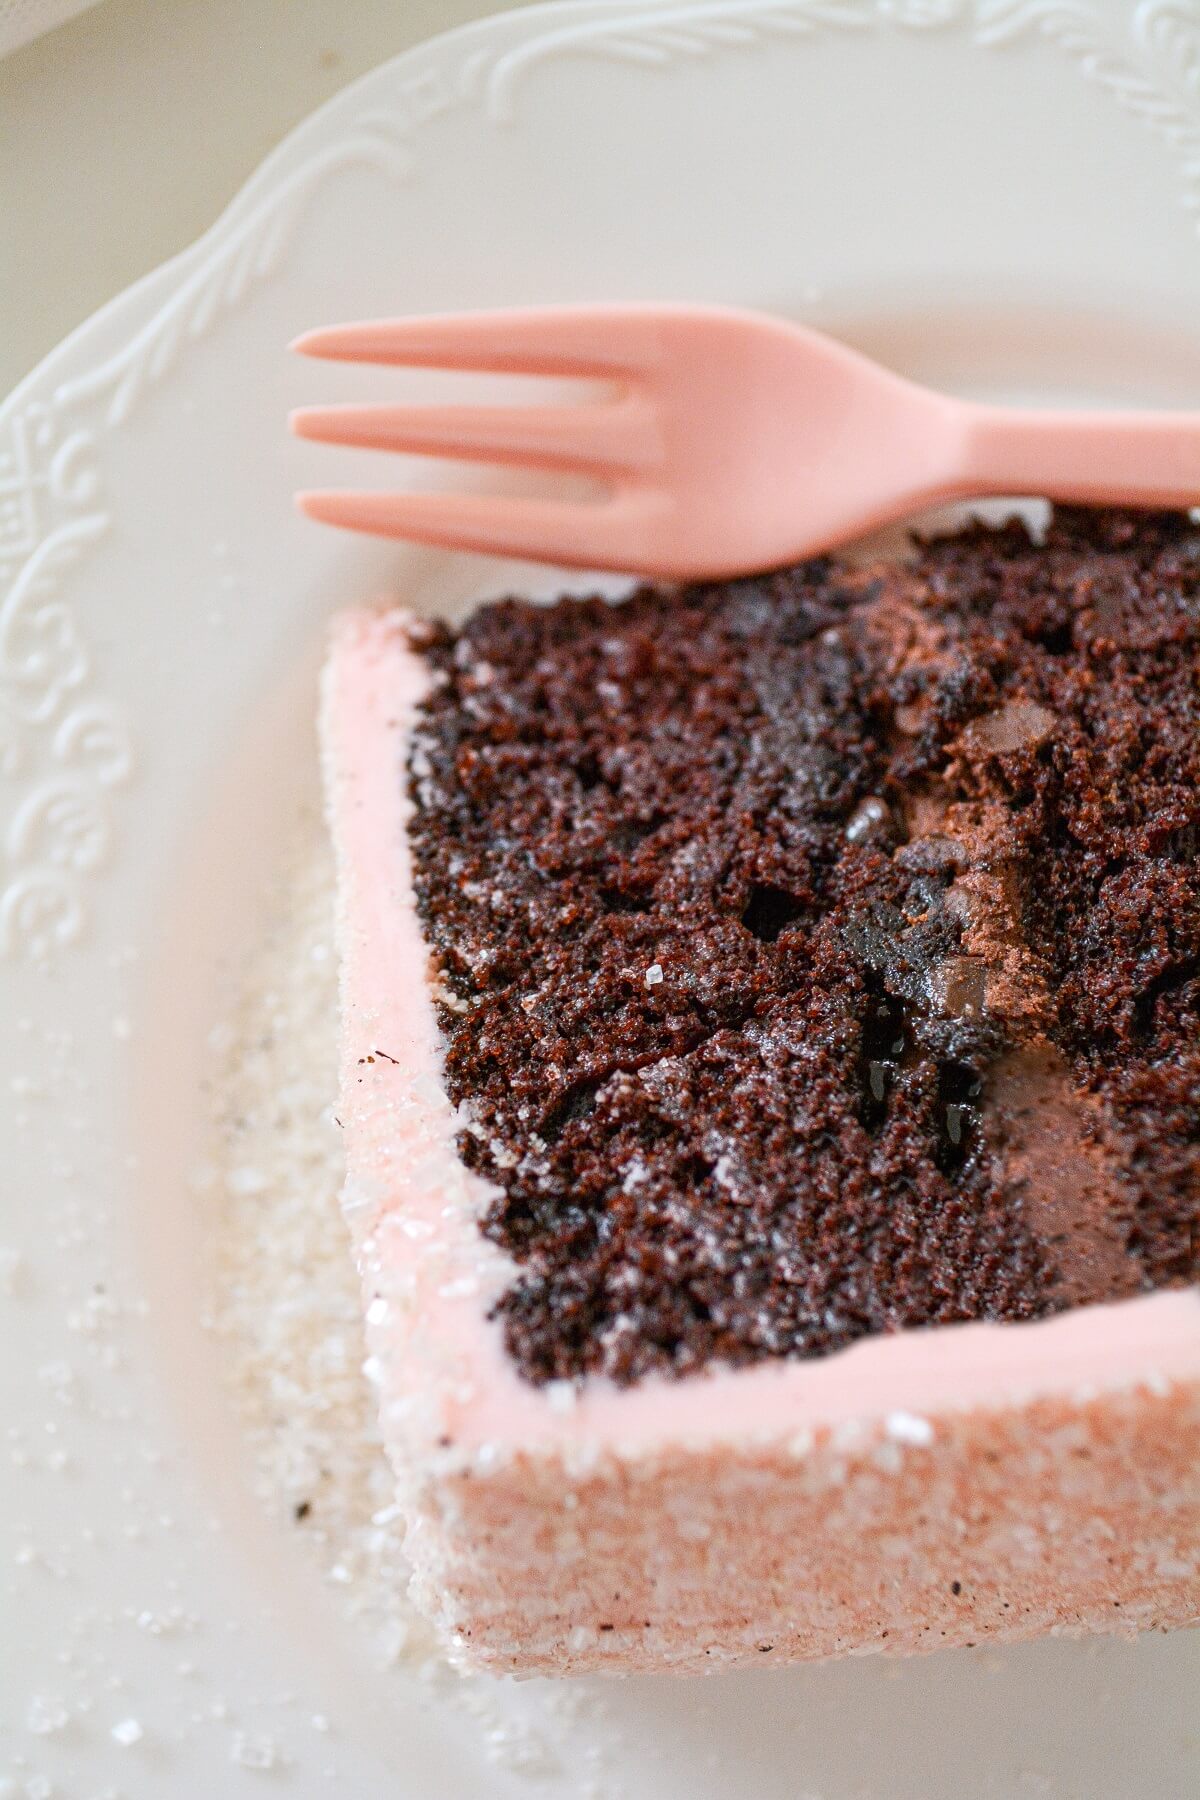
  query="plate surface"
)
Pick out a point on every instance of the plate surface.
point(997, 196)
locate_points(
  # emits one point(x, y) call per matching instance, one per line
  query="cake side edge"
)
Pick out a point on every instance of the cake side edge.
point(713, 1548)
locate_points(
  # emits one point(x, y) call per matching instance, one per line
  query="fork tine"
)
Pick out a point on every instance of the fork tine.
point(610, 534)
point(607, 436)
point(597, 341)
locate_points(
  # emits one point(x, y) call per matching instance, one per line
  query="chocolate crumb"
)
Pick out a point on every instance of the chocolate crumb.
point(820, 952)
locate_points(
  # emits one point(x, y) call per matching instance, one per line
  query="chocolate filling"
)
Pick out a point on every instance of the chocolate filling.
point(820, 953)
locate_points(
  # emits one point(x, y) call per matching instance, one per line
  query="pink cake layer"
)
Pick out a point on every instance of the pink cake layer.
point(928, 1488)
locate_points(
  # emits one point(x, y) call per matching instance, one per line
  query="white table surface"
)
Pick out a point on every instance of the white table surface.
point(125, 132)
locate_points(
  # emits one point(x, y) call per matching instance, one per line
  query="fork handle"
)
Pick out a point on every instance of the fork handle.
point(1096, 459)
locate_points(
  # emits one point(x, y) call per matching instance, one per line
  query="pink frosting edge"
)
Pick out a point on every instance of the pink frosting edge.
point(430, 1277)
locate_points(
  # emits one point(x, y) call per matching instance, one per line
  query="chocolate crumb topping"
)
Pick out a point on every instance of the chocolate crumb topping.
point(819, 953)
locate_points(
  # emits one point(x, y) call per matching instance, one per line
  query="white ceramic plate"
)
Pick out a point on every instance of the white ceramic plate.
point(998, 196)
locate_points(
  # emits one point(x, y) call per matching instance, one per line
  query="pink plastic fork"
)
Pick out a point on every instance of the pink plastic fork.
point(728, 441)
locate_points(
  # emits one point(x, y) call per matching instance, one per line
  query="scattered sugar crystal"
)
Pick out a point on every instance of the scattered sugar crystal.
point(45, 1714)
point(1174, 1568)
point(284, 1305)
point(95, 1317)
point(377, 1312)
point(865, 818)
point(460, 1289)
point(654, 975)
point(127, 1732)
point(61, 1379)
point(908, 1428)
point(512, 1744)
point(253, 1750)
point(246, 1181)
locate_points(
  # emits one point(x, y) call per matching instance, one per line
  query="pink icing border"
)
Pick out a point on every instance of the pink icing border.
point(433, 1339)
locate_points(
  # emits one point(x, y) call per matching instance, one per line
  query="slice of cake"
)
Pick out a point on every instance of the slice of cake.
point(772, 1100)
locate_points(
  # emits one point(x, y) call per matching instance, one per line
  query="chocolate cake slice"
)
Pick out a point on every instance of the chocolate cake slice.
point(772, 1099)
